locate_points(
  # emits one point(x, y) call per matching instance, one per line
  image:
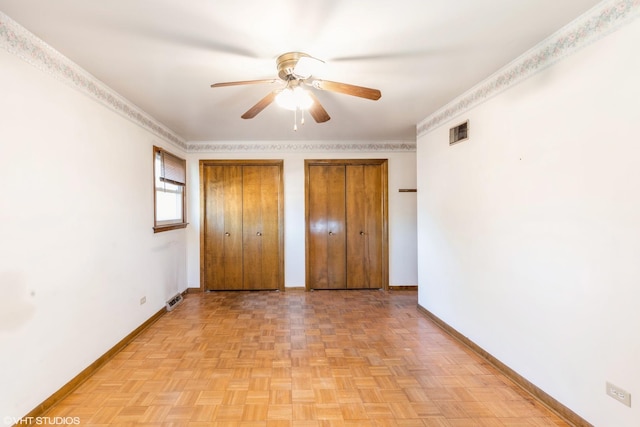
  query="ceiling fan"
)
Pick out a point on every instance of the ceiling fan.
point(295, 70)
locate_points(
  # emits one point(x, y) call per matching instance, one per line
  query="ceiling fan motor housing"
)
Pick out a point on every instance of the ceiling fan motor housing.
point(287, 63)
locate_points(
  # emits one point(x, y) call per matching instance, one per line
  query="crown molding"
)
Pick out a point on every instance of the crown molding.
point(18, 41)
point(596, 23)
point(299, 146)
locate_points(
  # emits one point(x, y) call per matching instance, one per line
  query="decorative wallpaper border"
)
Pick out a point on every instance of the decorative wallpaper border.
point(303, 147)
point(601, 20)
point(19, 41)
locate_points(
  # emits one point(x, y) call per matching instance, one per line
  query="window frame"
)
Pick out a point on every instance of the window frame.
point(157, 228)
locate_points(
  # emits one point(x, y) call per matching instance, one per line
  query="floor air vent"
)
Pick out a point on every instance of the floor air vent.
point(174, 301)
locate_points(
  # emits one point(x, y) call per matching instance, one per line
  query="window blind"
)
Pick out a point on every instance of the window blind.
point(173, 169)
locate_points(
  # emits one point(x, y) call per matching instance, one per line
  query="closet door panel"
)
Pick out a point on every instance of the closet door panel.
point(223, 228)
point(270, 200)
point(213, 244)
point(251, 218)
point(375, 225)
point(326, 228)
point(233, 228)
point(261, 234)
point(356, 223)
point(364, 226)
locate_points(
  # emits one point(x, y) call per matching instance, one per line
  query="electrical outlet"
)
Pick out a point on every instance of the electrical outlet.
point(618, 394)
point(143, 300)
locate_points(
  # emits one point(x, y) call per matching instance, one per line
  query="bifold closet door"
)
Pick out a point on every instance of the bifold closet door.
point(222, 246)
point(241, 236)
point(326, 228)
point(261, 259)
point(364, 221)
point(346, 233)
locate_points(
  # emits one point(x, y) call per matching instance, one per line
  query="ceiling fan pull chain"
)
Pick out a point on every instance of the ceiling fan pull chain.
point(295, 120)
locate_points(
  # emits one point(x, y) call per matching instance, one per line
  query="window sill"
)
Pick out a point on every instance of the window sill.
point(168, 227)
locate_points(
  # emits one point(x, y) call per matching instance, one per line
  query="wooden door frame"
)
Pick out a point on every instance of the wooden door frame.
point(385, 209)
point(240, 162)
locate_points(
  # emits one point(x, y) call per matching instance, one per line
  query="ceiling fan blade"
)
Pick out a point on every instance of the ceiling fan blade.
point(347, 89)
point(317, 111)
point(260, 105)
point(244, 82)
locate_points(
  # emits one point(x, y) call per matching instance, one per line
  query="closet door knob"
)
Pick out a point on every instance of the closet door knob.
point(362, 233)
point(227, 234)
point(258, 234)
point(331, 233)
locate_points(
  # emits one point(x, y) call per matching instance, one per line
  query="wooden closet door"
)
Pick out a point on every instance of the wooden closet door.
point(260, 217)
point(364, 226)
point(346, 230)
point(222, 245)
point(326, 240)
point(241, 240)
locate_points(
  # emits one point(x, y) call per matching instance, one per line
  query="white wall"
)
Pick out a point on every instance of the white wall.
point(402, 210)
point(77, 249)
point(529, 233)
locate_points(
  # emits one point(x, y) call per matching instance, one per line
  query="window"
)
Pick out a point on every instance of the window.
point(170, 191)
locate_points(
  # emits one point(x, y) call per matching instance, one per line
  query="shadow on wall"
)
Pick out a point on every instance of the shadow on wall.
point(174, 256)
point(20, 308)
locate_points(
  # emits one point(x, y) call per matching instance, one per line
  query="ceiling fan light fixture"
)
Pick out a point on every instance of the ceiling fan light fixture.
point(294, 99)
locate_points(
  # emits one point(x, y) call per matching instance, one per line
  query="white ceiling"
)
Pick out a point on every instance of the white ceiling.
point(163, 55)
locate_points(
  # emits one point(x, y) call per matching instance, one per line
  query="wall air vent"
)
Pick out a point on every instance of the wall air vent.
point(174, 301)
point(459, 133)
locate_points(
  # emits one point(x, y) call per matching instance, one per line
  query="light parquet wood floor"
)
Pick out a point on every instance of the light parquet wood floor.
point(299, 359)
